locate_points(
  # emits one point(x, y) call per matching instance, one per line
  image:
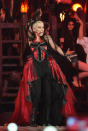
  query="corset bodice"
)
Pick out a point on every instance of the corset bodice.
point(39, 50)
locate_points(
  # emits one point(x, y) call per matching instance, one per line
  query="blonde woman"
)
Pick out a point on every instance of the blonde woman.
point(43, 93)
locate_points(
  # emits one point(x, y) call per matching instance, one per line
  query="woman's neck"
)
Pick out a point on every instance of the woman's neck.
point(38, 39)
point(71, 32)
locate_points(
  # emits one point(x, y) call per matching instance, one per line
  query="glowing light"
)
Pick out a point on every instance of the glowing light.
point(50, 128)
point(71, 121)
point(64, 1)
point(85, 8)
point(62, 16)
point(76, 6)
point(12, 127)
point(24, 7)
point(58, 1)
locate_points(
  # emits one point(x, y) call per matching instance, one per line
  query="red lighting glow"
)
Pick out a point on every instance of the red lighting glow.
point(64, 1)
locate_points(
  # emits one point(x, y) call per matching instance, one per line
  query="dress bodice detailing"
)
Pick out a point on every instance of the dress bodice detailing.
point(39, 50)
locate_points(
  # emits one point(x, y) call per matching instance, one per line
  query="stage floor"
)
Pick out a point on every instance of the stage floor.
point(28, 128)
point(4, 117)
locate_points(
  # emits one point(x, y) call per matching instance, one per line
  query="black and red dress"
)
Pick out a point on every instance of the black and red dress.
point(41, 84)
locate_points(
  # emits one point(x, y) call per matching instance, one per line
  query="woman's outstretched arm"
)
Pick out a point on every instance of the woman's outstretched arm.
point(56, 47)
point(53, 45)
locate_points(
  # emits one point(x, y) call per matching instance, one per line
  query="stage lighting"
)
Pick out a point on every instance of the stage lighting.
point(12, 127)
point(62, 16)
point(64, 1)
point(76, 6)
point(24, 7)
point(71, 121)
point(50, 128)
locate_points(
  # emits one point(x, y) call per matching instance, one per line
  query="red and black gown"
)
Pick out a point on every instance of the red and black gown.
point(38, 65)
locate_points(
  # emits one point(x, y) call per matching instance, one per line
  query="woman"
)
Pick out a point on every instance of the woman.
point(83, 41)
point(42, 93)
point(68, 43)
point(82, 38)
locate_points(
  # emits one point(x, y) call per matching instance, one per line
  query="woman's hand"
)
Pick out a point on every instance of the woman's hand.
point(77, 18)
point(68, 52)
point(47, 37)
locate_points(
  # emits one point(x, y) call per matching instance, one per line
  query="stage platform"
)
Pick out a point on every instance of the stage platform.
point(28, 128)
point(4, 117)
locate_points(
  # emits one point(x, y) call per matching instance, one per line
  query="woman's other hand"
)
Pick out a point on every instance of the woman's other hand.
point(77, 18)
point(68, 52)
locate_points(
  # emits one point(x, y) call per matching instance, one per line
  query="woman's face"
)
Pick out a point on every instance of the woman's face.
point(70, 25)
point(39, 29)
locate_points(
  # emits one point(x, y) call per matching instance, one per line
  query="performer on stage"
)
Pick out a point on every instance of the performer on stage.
point(44, 95)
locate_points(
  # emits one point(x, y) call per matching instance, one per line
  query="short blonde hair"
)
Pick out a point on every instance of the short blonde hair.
point(34, 26)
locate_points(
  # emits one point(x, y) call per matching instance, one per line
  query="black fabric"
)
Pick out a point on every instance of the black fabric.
point(42, 68)
point(47, 92)
point(69, 41)
point(65, 65)
point(80, 52)
point(39, 47)
point(47, 97)
point(35, 92)
point(52, 101)
point(0, 4)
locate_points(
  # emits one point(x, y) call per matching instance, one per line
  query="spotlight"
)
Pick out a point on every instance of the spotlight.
point(50, 128)
point(62, 16)
point(12, 127)
point(71, 121)
point(76, 6)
